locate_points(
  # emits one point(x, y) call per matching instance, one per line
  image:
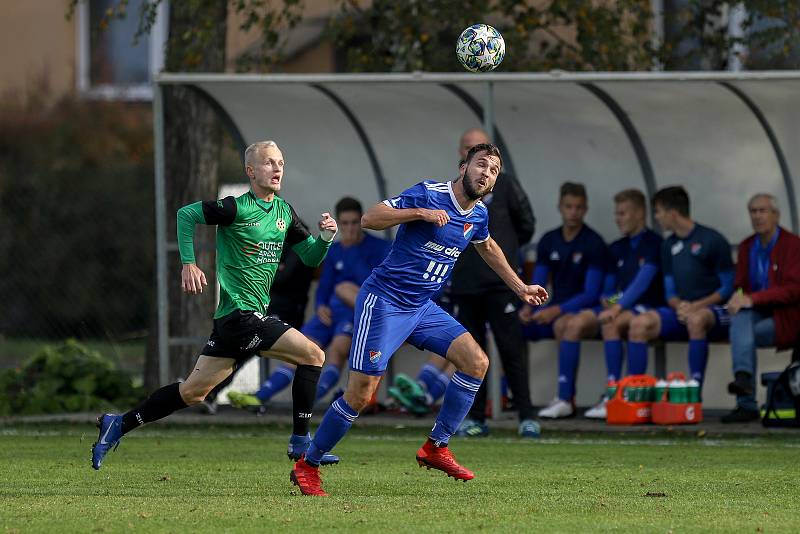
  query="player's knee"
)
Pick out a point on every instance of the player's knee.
point(358, 400)
point(610, 330)
point(639, 328)
point(192, 395)
point(697, 325)
point(477, 364)
point(573, 329)
point(314, 356)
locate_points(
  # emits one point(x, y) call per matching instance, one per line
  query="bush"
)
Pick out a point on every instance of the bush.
point(65, 378)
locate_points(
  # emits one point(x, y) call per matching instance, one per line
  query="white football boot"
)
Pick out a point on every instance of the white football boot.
point(557, 409)
point(598, 411)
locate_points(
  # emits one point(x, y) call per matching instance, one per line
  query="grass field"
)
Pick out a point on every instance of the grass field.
point(218, 479)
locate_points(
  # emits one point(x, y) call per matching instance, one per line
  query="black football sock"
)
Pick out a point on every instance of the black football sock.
point(304, 392)
point(158, 405)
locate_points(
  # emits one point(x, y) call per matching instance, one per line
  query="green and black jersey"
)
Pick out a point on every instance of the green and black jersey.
point(251, 235)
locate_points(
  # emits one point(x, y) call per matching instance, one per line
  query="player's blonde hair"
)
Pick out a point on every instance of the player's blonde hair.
point(252, 151)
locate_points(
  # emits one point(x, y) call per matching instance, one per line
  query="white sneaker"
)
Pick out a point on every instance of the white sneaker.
point(598, 411)
point(557, 409)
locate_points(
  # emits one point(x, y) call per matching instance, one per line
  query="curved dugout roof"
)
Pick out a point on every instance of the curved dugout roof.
point(723, 136)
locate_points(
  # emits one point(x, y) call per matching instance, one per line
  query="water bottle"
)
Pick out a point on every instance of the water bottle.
point(661, 386)
point(693, 391)
point(611, 389)
point(677, 391)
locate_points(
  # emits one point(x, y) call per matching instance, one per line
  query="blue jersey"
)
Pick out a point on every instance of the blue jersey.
point(422, 256)
point(628, 255)
point(349, 264)
point(698, 264)
point(569, 261)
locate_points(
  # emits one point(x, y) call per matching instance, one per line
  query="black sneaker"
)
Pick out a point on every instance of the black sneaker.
point(741, 385)
point(741, 415)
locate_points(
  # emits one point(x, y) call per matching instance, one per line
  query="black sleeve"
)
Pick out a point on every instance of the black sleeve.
point(521, 211)
point(221, 212)
point(297, 231)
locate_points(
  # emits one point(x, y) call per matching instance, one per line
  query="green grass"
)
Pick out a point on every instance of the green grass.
point(215, 479)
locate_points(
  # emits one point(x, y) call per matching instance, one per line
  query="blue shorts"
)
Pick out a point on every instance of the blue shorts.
point(637, 309)
point(381, 328)
point(322, 334)
point(674, 330)
point(535, 331)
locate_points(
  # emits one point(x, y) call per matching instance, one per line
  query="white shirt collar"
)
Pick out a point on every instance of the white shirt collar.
point(454, 200)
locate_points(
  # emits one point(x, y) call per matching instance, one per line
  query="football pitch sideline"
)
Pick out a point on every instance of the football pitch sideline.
point(236, 479)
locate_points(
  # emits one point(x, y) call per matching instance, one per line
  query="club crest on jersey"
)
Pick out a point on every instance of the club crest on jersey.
point(576, 257)
point(695, 248)
point(374, 355)
point(467, 230)
point(281, 224)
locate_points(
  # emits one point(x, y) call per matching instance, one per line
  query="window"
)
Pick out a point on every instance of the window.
point(109, 64)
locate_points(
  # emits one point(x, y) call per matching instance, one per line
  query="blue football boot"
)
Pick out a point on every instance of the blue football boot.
point(110, 426)
point(298, 445)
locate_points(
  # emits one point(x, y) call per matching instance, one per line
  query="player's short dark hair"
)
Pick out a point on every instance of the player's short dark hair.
point(572, 189)
point(490, 149)
point(348, 204)
point(634, 196)
point(672, 198)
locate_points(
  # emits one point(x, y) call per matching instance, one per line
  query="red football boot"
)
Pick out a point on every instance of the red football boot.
point(433, 457)
point(307, 478)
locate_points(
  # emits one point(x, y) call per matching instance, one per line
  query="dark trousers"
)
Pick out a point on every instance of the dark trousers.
point(498, 309)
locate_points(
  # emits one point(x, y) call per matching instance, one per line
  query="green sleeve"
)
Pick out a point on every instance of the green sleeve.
point(188, 216)
point(312, 251)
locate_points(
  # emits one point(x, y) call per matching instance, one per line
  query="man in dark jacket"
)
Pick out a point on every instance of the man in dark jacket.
point(765, 310)
point(480, 297)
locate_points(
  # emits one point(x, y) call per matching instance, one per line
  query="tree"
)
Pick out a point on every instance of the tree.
point(566, 34)
point(700, 39)
point(192, 133)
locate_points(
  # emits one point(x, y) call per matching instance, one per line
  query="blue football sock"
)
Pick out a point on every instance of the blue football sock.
point(457, 401)
point(439, 387)
point(698, 357)
point(277, 381)
point(427, 376)
point(637, 358)
point(504, 386)
point(329, 378)
point(335, 424)
point(613, 352)
point(569, 352)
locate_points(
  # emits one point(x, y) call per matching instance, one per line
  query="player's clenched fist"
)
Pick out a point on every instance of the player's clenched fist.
point(192, 279)
point(437, 217)
point(327, 227)
point(534, 295)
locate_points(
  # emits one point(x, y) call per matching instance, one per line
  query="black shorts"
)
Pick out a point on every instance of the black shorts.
point(242, 334)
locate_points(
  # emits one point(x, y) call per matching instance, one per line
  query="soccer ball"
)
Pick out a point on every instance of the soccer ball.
point(480, 48)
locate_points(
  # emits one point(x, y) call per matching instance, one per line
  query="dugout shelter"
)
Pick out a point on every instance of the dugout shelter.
point(723, 136)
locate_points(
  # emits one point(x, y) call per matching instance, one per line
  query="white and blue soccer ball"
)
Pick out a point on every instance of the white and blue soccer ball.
point(480, 48)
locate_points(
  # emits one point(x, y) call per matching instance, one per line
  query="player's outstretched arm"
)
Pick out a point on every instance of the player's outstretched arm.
point(221, 212)
point(380, 216)
point(491, 253)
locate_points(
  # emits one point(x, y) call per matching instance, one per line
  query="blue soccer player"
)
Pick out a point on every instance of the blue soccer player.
point(437, 221)
point(349, 262)
point(698, 279)
point(632, 286)
point(573, 256)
